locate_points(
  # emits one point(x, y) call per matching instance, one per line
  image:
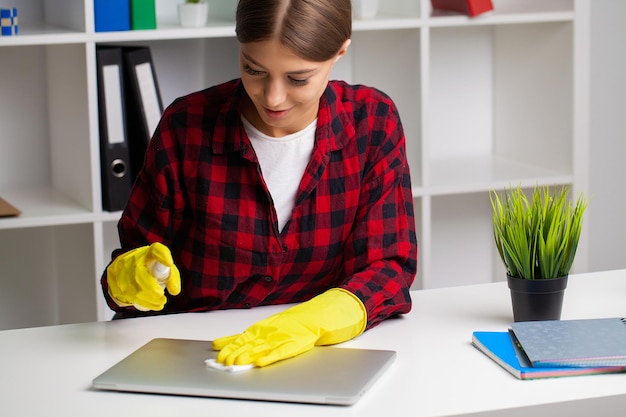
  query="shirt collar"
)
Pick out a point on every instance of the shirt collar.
point(229, 133)
point(334, 125)
point(334, 128)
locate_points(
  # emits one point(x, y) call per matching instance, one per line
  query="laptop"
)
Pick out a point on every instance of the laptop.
point(324, 375)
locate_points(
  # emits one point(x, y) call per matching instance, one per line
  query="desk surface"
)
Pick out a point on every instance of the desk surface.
point(48, 370)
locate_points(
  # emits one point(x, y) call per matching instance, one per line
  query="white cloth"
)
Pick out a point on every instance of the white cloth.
point(283, 161)
point(232, 368)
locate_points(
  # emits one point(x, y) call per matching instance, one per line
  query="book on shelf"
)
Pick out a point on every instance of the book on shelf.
point(111, 15)
point(7, 209)
point(471, 8)
point(584, 342)
point(502, 349)
point(142, 14)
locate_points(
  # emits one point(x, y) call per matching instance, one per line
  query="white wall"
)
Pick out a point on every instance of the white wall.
point(606, 217)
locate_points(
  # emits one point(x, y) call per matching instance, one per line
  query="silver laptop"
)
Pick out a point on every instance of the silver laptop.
point(324, 375)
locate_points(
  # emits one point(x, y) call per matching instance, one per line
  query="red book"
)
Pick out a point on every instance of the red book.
point(468, 7)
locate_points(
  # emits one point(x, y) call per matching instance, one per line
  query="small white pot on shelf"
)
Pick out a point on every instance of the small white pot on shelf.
point(364, 9)
point(193, 15)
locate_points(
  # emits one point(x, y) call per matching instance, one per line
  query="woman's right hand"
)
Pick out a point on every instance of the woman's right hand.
point(132, 281)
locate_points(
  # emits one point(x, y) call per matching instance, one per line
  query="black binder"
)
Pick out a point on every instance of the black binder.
point(114, 153)
point(143, 102)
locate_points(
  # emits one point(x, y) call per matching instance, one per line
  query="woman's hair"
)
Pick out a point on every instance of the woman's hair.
point(314, 30)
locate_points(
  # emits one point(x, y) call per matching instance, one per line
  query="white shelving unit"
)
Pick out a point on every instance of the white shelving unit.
point(486, 102)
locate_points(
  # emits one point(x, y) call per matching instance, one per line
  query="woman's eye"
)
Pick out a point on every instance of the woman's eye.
point(294, 81)
point(298, 82)
point(251, 71)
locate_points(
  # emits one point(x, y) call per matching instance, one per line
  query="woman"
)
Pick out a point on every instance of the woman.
point(278, 187)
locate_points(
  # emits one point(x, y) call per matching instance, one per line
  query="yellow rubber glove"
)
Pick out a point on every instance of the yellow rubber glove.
point(332, 317)
point(132, 281)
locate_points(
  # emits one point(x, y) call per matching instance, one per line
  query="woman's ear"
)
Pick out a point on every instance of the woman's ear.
point(343, 50)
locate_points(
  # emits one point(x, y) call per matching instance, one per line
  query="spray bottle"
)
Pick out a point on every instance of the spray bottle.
point(160, 272)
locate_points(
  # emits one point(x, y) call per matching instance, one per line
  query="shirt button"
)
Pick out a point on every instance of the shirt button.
point(267, 278)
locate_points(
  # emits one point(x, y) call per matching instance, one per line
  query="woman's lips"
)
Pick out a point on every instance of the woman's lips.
point(275, 114)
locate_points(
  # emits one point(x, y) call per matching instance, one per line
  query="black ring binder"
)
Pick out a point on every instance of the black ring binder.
point(119, 168)
point(114, 152)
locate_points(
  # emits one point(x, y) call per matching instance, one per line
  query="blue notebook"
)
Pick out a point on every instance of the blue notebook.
point(501, 349)
point(586, 342)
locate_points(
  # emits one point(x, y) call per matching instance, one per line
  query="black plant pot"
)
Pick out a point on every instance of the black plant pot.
point(537, 299)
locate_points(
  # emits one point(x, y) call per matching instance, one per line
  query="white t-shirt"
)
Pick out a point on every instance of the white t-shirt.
point(283, 161)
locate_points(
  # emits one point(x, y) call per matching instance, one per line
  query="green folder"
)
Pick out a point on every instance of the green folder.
point(142, 14)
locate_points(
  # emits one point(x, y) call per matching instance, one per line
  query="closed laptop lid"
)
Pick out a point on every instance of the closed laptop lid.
point(324, 375)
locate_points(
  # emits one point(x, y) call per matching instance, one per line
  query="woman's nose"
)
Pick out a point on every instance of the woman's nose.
point(275, 93)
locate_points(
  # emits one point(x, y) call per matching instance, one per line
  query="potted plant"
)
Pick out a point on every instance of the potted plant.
point(193, 13)
point(537, 242)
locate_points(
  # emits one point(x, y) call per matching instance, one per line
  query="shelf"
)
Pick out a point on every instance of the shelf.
point(383, 22)
point(508, 11)
point(214, 29)
point(486, 103)
point(43, 207)
point(535, 7)
point(495, 18)
point(169, 29)
point(49, 35)
point(480, 174)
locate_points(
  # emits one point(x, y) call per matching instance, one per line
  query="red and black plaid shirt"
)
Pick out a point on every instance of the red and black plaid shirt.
point(201, 193)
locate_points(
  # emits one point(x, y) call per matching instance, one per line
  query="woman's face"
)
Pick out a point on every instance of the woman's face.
point(284, 88)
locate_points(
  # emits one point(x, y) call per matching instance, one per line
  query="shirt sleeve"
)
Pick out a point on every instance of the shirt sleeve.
point(381, 254)
point(148, 215)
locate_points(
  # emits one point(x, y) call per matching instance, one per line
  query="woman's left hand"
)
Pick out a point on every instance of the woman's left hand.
point(332, 317)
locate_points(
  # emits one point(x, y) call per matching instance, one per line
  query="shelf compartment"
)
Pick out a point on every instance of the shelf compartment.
point(501, 93)
point(396, 14)
point(533, 94)
point(47, 21)
point(507, 12)
point(399, 8)
point(219, 10)
point(221, 18)
point(460, 98)
point(47, 276)
point(47, 172)
point(461, 249)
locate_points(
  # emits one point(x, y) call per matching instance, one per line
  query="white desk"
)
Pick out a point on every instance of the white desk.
point(48, 370)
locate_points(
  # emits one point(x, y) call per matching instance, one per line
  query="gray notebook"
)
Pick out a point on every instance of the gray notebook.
point(586, 342)
point(324, 375)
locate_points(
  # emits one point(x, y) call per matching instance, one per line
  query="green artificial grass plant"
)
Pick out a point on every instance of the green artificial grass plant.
point(537, 239)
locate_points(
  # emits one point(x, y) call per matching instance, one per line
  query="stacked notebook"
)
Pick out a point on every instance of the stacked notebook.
point(7, 209)
point(555, 348)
